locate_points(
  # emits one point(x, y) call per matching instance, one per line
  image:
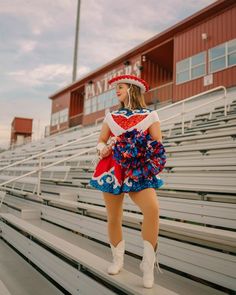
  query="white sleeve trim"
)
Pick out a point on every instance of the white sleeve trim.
point(114, 127)
point(155, 117)
point(148, 121)
point(106, 117)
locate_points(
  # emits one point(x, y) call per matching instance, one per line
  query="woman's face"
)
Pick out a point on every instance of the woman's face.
point(121, 92)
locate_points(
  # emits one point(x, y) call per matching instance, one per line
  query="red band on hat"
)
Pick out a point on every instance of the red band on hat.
point(130, 79)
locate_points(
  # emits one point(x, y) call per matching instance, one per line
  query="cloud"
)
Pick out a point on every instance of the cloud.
point(42, 13)
point(43, 74)
point(57, 75)
point(27, 45)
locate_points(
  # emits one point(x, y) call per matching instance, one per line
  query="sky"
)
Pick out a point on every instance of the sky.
point(37, 46)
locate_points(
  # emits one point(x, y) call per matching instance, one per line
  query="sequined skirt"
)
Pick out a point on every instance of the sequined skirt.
point(110, 177)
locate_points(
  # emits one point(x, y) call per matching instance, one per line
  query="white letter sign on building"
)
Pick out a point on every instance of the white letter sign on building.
point(100, 86)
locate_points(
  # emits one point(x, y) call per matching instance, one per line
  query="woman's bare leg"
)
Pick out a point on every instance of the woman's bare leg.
point(148, 203)
point(114, 207)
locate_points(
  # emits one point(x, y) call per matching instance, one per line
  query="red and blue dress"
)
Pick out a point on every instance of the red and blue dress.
point(136, 159)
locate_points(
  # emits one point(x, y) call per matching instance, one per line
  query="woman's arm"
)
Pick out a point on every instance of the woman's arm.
point(155, 131)
point(105, 133)
point(103, 149)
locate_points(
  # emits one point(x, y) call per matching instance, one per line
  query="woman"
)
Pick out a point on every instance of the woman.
point(115, 176)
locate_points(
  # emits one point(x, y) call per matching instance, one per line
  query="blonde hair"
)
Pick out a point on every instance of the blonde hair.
point(137, 100)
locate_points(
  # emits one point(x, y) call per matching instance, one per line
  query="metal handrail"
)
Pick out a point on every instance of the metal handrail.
point(64, 131)
point(40, 169)
point(183, 112)
point(161, 86)
point(99, 119)
point(48, 151)
point(197, 95)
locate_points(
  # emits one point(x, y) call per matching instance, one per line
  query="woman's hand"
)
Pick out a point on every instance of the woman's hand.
point(106, 151)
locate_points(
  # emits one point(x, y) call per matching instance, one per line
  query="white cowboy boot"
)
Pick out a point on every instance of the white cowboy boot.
point(147, 264)
point(118, 258)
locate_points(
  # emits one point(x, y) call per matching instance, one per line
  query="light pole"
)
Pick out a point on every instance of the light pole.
point(76, 42)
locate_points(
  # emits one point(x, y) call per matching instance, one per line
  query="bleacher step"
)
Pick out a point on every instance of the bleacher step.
point(3, 289)
point(22, 211)
point(178, 283)
point(125, 281)
point(20, 277)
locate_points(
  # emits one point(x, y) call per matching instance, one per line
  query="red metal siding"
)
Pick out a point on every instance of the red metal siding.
point(61, 102)
point(220, 28)
point(76, 103)
point(157, 76)
point(76, 107)
point(22, 125)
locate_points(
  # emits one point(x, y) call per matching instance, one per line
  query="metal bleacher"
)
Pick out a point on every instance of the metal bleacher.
point(60, 227)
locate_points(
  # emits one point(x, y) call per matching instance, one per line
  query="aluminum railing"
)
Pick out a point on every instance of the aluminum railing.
point(183, 102)
point(40, 167)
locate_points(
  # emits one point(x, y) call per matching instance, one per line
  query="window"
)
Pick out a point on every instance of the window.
point(108, 100)
point(63, 115)
point(55, 119)
point(182, 70)
point(113, 98)
point(222, 56)
point(59, 117)
point(217, 60)
point(191, 68)
point(198, 65)
point(232, 53)
point(87, 106)
point(94, 104)
point(101, 102)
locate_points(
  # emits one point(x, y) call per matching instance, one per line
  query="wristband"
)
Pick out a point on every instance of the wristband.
point(100, 146)
point(113, 140)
